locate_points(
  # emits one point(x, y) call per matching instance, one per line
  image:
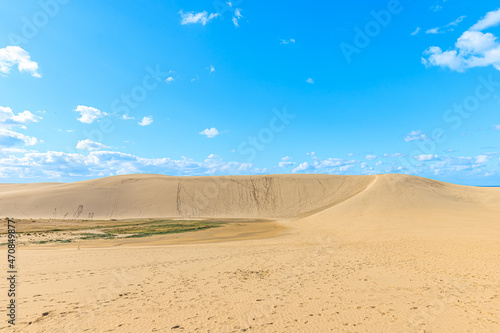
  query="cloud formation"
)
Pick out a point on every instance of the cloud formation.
point(90, 145)
point(197, 18)
point(89, 114)
point(145, 121)
point(12, 56)
point(473, 49)
point(210, 132)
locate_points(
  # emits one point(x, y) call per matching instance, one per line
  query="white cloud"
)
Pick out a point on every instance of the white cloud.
point(286, 158)
point(370, 157)
point(211, 68)
point(236, 17)
point(230, 4)
point(285, 164)
point(11, 56)
point(169, 79)
point(145, 121)
point(473, 49)
point(425, 157)
point(89, 114)
point(289, 41)
point(417, 30)
point(10, 138)
point(482, 159)
point(54, 164)
point(415, 136)
point(194, 18)
point(491, 19)
point(449, 27)
point(210, 132)
point(90, 145)
point(235, 22)
point(127, 117)
point(310, 81)
point(9, 119)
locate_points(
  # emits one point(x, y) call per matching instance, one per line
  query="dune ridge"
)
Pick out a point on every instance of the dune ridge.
point(273, 196)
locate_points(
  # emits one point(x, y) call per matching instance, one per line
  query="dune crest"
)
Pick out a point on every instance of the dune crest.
point(273, 196)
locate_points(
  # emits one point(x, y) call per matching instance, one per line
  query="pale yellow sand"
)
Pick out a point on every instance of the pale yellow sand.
point(356, 254)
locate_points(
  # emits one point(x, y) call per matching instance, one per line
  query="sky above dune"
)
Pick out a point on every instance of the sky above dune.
point(99, 88)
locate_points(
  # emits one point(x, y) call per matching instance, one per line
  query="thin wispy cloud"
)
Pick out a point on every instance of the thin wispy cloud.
point(287, 41)
point(15, 56)
point(417, 30)
point(310, 81)
point(197, 18)
point(449, 27)
point(416, 136)
point(10, 121)
point(236, 17)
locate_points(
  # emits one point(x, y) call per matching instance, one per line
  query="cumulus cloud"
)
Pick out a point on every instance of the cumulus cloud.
point(415, 136)
point(195, 18)
point(310, 81)
point(54, 164)
point(10, 138)
point(169, 79)
point(473, 48)
point(145, 121)
point(12, 56)
point(90, 145)
point(210, 132)
point(9, 120)
point(89, 114)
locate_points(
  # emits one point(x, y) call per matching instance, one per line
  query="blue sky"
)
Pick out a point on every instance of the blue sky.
point(91, 89)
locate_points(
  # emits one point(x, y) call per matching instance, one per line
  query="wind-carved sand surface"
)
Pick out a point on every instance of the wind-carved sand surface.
point(388, 253)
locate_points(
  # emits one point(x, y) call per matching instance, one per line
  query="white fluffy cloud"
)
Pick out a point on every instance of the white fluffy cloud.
point(8, 120)
point(210, 132)
point(10, 138)
point(194, 18)
point(90, 145)
point(89, 114)
point(473, 49)
point(54, 164)
point(145, 121)
point(11, 56)
point(370, 157)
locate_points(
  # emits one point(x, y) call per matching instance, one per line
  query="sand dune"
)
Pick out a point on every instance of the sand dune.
point(387, 253)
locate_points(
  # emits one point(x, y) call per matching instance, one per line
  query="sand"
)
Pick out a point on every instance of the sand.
point(387, 253)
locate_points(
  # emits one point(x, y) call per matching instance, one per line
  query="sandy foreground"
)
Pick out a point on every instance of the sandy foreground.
point(384, 253)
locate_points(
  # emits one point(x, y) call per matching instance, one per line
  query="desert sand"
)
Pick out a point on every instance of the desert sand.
point(384, 253)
